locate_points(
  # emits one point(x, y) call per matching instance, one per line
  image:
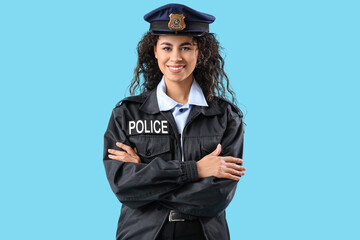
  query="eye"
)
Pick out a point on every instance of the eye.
point(166, 49)
point(185, 48)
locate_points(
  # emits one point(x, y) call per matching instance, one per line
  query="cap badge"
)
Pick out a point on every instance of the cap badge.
point(176, 22)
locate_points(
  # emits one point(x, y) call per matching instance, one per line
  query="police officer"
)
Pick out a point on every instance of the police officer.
point(172, 154)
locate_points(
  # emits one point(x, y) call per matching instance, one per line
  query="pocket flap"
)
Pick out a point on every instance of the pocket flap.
point(150, 146)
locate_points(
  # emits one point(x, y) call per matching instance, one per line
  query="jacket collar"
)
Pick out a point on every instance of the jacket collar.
point(151, 106)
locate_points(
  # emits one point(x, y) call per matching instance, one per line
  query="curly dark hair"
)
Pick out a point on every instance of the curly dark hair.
point(209, 71)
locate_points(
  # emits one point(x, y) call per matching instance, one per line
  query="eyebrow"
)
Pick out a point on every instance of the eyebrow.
point(182, 44)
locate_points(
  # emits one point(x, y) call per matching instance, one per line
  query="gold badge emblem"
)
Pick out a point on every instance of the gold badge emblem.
point(176, 22)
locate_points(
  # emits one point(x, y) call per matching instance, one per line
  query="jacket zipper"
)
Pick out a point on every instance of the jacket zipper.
point(174, 127)
point(187, 123)
point(180, 143)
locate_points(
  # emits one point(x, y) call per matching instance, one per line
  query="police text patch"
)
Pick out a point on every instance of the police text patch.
point(148, 126)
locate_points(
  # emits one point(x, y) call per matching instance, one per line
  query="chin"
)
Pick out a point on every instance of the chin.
point(176, 79)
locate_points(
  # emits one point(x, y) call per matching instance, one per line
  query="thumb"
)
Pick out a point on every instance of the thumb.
point(217, 151)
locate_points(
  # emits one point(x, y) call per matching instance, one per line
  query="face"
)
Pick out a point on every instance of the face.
point(177, 57)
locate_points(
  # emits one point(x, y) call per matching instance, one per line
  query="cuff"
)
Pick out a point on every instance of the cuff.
point(190, 171)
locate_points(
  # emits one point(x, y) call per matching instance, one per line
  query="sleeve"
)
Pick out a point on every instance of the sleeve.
point(134, 184)
point(210, 196)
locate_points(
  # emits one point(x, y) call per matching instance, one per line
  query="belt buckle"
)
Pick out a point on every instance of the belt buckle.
point(171, 219)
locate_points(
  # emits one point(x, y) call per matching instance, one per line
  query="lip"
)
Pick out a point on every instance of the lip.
point(175, 68)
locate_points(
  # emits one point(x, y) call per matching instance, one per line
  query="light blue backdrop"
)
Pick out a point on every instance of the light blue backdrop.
point(293, 64)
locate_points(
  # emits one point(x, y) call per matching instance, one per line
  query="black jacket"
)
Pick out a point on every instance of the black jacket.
point(162, 181)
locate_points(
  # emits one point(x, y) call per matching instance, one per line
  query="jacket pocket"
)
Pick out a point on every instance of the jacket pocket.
point(151, 146)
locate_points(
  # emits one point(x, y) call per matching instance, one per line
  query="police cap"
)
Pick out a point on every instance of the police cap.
point(178, 19)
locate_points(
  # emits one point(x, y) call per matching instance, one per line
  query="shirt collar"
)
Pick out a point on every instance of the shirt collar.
point(196, 96)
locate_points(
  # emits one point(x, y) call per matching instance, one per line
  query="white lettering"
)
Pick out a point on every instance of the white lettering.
point(157, 122)
point(146, 130)
point(131, 126)
point(164, 126)
point(137, 126)
point(148, 126)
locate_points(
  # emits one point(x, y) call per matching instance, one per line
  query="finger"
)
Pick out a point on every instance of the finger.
point(232, 159)
point(217, 151)
point(235, 166)
point(122, 158)
point(125, 147)
point(136, 151)
point(235, 172)
point(115, 157)
point(116, 152)
point(230, 176)
point(128, 158)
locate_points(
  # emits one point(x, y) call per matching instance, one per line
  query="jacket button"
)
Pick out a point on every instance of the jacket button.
point(148, 152)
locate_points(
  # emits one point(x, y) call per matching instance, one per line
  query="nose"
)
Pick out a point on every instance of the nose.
point(175, 56)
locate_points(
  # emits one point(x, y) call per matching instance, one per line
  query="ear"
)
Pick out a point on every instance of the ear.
point(155, 51)
point(197, 56)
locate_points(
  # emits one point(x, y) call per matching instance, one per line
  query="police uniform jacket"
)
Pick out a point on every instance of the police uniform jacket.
point(148, 190)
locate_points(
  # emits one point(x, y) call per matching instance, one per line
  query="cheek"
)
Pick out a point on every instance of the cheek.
point(160, 58)
point(161, 64)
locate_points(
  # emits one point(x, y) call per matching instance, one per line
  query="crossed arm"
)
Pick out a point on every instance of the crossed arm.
point(210, 165)
point(172, 183)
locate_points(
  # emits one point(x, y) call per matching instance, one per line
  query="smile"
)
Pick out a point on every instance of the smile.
point(176, 69)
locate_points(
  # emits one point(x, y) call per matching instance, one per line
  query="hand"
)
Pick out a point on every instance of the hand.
point(130, 155)
point(220, 167)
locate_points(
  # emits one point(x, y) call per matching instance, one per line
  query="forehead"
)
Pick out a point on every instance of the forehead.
point(175, 40)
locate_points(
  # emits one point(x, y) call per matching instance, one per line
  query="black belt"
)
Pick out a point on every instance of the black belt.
point(180, 217)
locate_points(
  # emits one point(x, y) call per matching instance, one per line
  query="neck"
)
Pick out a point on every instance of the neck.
point(179, 91)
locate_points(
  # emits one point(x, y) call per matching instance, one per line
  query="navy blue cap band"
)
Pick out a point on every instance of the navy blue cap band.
point(191, 27)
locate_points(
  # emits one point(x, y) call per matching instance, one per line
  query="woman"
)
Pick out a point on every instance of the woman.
point(173, 153)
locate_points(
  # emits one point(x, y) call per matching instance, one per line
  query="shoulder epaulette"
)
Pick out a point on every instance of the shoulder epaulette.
point(233, 106)
point(137, 99)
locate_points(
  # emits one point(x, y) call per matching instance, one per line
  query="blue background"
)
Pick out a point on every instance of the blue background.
point(293, 64)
